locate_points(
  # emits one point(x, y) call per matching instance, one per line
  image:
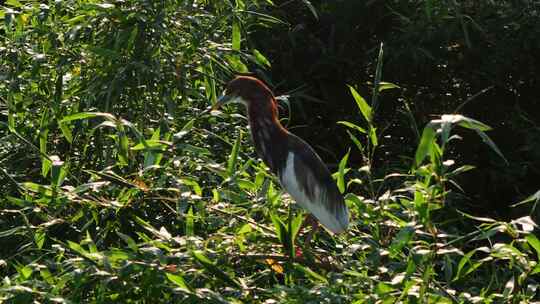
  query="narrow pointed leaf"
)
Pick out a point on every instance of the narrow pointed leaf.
point(233, 157)
point(214, 269)
point(365, 109)
point(535, 243)
point(341, 172)
point(352, 126)
point(177, 279)
point(311, 8)
point(85, 115)
point(236, 35)
point(426, 144)
point(491, 144)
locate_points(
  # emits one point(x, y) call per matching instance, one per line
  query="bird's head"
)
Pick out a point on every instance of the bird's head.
point(246, 90)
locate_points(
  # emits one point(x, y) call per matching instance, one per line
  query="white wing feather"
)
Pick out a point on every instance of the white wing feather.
point(332, 222)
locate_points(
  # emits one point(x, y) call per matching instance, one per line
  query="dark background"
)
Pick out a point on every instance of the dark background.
point(442, 54)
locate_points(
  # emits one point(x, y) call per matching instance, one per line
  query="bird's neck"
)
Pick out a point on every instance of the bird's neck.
point(269, 136)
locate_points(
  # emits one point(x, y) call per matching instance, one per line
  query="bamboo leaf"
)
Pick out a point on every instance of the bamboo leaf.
point(341, 172)
point(403, 237)
point(352, 126)
point(214, 269)
point(387, 86)
point(177, 279)
point(311, 8)
point(233, 157)
point(426, 144)
point(260, 58)
point(86, 115)
point(66, 131)
point(310, 273)
point(491, 144)
point(236, 35)
point(365, 109)
point(535, 243)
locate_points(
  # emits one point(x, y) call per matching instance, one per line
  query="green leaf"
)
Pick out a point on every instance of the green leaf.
point(233, 157)
point(466, 259)
point(279, 226)
point(356, 141)
point(383, 288)
point(151, 145)
point(39, 238)
point(341, 172)
point(378, 76)
point(373, 136)
point(185, 129)
point(236, 35)
point(214, 269)
point(123, 146)
point(311, 8)
point(85, 115)
point(491, 144)
point(14, 3)
point(296, 224)
point(260, 58)
point(66, 131)
point(43, 140)
point(190, 225)
point(352, 126)
point(387, 86)
point(535, 243)
point(177, 279)
point(310, 273)
point(426, 144)
point(129, 241)
point(365, 109)
point(533, 198)
point(403, 237)
point(465, 122)
point(236, 64)
point(41, 189)
point(26, 272)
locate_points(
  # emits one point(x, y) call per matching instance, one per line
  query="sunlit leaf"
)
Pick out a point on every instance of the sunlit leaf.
point(426, 144)
point(352, 126)
point(236, 35)
point(403, 237)
point(260, 58)
point(387, 86)
point(535, 243)
point(86, 115)
point(341, 172)
point(311, 8)
point(365, 109)
point(233, 157)
point(177, 279)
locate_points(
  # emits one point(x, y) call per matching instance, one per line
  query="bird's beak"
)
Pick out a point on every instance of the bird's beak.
point(222, 100)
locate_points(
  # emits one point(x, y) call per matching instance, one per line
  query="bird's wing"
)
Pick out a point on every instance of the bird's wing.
point(308, 181)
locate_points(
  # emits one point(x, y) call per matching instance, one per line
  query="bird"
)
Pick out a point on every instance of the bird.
point(300, 170)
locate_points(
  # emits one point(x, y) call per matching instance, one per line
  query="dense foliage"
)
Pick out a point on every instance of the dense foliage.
point(116, 187)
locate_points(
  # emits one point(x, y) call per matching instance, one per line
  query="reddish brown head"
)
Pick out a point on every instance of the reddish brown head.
point(251, 92)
